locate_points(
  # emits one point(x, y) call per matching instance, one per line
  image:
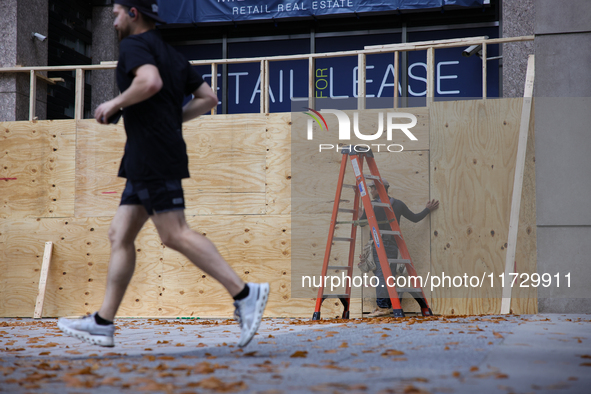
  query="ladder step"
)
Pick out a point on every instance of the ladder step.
point(335, 296)
point(389, 232)
point(338, 267)
point(350, 186)
point(398, 261)
point(381, 204)
point(342, 239)
point(369, 176)
point(409, 290)
point(346, 210)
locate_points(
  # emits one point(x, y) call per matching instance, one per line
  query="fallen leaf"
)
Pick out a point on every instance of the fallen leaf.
point(392, 352)
point(299, 353)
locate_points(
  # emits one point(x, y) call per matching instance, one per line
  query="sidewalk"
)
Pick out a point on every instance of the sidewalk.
point(474, 354)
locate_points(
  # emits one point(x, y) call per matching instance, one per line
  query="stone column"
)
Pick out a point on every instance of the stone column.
point(563, 142)
point(18, 20)
point(518, 18)
point(105, 47)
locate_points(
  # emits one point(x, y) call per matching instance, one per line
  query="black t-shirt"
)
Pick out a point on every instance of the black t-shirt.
point(155, 148)
point(400, 209)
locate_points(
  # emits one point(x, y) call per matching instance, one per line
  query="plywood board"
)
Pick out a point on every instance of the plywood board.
point(473, 150)
point(226, 162)
point(99, 151)
point(77, 277)
point(37, 169)
point(278, 164)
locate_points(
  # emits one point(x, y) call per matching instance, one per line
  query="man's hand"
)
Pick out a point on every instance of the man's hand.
point(146, 83)
point(432, 205)
point(105, 111)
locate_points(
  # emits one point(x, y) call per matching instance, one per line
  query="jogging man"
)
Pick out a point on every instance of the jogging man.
point(153, 78)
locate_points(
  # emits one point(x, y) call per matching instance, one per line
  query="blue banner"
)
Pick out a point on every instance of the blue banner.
point(208, 11)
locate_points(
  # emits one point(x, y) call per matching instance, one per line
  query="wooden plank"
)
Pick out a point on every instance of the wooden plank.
point(37, 167)
point(32, 96)
point(484, 63)
point(426, 43)
point(214, 85)
point(79, 101)
point(525, 299)
point(361, 86)
point(262, 78)
point(430, 75)
point(473, 151)
point(266, 87)
point(518, 182)
point(43, 280)
point(311, 82)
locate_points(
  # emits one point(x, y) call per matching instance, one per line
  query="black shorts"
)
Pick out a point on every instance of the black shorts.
point(156, 196)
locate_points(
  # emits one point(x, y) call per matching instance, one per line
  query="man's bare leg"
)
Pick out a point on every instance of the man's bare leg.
point(176, 234)
point(126, 225)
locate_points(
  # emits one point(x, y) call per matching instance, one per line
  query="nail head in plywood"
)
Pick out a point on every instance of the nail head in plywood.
point(43, 280)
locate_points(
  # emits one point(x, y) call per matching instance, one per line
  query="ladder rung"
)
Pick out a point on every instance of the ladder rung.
point(342, 239)
point(381, 204)
point(409, 290)
point(346, 210)
point(369, 176)
point(389, 232)
point(398, 261)
point(335, 296)
point(338, 267)
point(350, 186)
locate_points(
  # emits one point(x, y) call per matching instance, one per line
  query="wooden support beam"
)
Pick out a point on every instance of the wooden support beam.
point(361, 94)
point(43, 280)
point(430, 75)
point(518, 184)
point(79, 103)
point(214, 85)
point(32, 96)
point(261, 88)
point(265, 87)
point(311, 80)
point(396, 78)
point(484, 61)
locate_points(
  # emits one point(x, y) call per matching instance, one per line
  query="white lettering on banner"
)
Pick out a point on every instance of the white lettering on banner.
point(440, 77)
point(251, 10)
point(411, 75)
point(390, 69)
point(257, 90)
point(237, 75)
point(328, 4)
point(331, 87)
point(356, 84)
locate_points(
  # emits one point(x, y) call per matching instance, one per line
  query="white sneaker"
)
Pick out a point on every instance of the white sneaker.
point(249, 311)
point(88, 330)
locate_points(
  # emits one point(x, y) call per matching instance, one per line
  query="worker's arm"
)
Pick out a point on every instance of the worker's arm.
point(205, 99)
point(146, 83)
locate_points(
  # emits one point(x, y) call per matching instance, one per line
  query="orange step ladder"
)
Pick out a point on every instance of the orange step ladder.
point(361, 192)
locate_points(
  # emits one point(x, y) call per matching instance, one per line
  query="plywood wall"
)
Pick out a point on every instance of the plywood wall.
point(59, 184)
point(473, 154)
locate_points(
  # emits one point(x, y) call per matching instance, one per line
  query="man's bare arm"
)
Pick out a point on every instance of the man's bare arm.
point(205, 99)
point(147, 82)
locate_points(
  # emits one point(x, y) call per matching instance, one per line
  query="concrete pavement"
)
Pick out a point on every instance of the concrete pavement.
point(483, 354)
